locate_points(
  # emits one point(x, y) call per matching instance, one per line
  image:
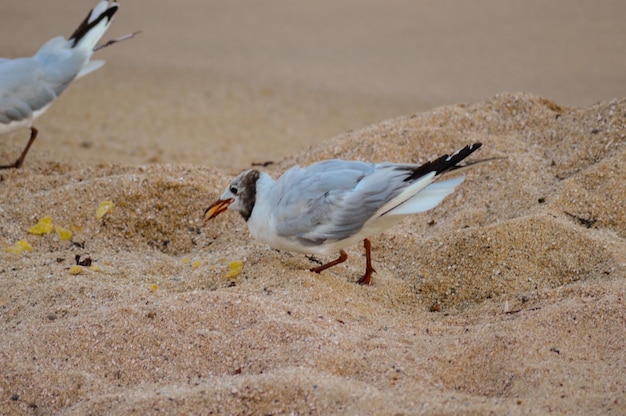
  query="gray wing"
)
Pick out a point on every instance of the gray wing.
point(30, 84)
point(331, 200)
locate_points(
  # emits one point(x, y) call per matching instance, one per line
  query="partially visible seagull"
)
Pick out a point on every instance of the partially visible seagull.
point(333, 204)
point(28, 86)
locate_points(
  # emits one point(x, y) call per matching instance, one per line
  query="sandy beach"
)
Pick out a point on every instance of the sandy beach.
point(508, 298)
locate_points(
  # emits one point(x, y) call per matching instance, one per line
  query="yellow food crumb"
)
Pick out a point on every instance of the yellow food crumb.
point(76, 270)
point(95, 268)
point(43, 227)
point(63, 233)
point(235, 268)
point(185, 260)
point(153, 287)
point(195, 265)
point(104, 208)
point(19, 247)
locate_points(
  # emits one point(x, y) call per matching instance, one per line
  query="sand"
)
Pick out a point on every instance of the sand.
point(508, 298)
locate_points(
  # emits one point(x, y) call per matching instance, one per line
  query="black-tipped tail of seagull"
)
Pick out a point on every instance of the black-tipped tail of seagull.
point(90, 30)
point(445, 163)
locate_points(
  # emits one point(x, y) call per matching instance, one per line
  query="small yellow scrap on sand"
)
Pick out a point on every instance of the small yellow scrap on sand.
point(19, 247)
point(235, 269)
point(43, 227)
point(104, 208)
point(76, 270)
point(194, 265)
point(63, 233)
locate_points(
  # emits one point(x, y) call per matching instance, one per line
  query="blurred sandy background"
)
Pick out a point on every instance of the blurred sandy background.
point(506, 299)
point(211, 82)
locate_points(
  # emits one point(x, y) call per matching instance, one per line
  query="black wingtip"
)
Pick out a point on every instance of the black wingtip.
point(444, 163)
point(85, 26)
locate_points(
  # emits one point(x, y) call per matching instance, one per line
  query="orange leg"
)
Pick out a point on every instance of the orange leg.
point(342, 257)
point(365, 280)
point(20, 160)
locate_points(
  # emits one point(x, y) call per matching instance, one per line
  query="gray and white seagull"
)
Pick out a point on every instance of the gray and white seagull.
point(333, 204)
point(28, 86)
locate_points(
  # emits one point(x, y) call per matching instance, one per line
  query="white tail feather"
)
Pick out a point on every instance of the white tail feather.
point(91, 39)
point(98, 10)
point(405, 195)
point(428, 198)
point(89, 67)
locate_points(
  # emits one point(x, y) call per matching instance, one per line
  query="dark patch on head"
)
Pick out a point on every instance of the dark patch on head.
point(247, 196)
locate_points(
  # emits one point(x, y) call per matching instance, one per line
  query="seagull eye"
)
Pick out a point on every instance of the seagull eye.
point(233, 190)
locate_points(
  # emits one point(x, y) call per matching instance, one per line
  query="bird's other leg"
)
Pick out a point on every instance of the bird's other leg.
point(342, 257)
point(116, 40)
point(18, 163)
point(365, 280)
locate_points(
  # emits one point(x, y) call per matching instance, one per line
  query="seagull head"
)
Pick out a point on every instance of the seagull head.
point(240, 196)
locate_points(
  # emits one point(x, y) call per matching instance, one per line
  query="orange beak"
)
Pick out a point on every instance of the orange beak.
point(217, 208)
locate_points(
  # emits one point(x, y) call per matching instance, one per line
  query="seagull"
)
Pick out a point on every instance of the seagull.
point(28, 86)
point(333, 204)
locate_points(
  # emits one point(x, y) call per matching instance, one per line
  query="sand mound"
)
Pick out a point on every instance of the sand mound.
point(509, 297)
